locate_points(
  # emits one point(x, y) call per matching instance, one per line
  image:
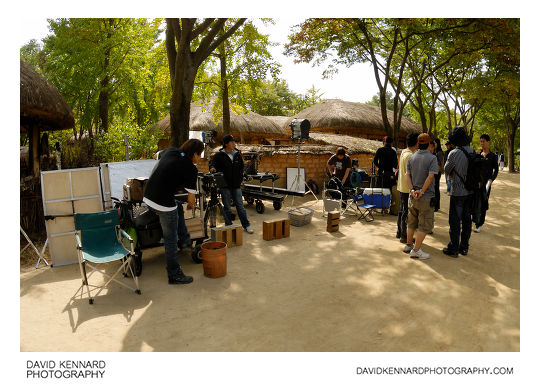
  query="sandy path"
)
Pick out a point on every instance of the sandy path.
point(348, 291)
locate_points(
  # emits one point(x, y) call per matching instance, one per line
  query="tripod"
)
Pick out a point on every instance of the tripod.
point(211, 210)
point(297, 178)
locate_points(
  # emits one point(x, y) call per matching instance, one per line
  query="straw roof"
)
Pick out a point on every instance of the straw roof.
point(340, 114)
point(319, 143)
point(199, 120)
point(252, 123)
point(41, 103)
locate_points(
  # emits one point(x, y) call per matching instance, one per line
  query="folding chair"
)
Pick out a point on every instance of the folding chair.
point(99, 233)
point(364, 209)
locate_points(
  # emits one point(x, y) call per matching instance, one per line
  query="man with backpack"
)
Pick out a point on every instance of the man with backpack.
point(461, 198)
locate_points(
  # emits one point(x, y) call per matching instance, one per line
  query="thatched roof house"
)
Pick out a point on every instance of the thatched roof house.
point(42, 109)
point(357, 119)
point(253, 128)
point(199, 120)
point(250, 128)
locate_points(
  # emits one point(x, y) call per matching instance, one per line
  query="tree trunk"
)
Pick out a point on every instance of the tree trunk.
point(104, 91)
point(224, 91)
point(180, 108)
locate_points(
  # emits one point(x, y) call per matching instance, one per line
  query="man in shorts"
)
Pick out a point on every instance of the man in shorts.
point(421, 170)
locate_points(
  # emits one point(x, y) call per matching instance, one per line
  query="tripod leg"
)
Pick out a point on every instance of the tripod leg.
point(228, 222)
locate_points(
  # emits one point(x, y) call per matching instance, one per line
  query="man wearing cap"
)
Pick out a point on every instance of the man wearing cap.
point(459, 215)
point(386, 161)
point(229, 161)
point(421, 170)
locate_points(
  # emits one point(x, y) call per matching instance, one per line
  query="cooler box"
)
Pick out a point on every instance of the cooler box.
point(379, 197)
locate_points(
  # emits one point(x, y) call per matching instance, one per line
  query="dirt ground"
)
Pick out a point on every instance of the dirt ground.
point(353, 290)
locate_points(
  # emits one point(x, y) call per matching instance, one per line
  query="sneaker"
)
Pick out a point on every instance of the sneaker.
point(463, 251)
point(407, 248)
point(477, 229)
point(419, 254)
point(180, 278)
point(249, 230)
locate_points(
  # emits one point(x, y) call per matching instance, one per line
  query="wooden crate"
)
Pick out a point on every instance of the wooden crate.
point(195, 227)
point(276, 229)
point(332, 222)
point(231, 235)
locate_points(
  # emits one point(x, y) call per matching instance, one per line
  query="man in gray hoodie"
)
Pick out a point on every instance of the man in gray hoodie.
point(459, 216)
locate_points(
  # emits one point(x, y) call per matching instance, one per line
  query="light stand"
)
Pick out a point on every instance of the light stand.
point(297, 177)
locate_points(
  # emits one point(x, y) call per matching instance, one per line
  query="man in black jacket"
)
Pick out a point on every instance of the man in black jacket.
point(229, 161)
point(386, 161)
point(490, 172)
point(175, 169)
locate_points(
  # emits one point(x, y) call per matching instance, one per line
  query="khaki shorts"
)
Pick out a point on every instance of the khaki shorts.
point(421, 214)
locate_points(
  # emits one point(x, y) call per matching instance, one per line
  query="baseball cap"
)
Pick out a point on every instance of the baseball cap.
point(424, 138)
point(228, 138)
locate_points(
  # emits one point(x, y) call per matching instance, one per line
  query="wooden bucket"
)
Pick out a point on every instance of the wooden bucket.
point(214, 256)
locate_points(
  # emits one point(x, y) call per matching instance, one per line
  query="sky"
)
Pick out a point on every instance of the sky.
point(353, 84)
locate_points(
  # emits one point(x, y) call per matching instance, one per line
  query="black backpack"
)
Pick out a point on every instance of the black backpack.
point(474, 181)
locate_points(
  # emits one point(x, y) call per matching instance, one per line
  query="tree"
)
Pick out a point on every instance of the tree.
point(189, 42)
point(99, 64)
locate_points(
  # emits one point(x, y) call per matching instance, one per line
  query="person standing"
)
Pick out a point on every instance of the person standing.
point(440, 163)
point(501, 161)
point(386, 161)
point(421, 170)
point(490, 172)
point(403, 187)
point(340, 166)
point(229, 161)
point(459, 216)
point(175, 169)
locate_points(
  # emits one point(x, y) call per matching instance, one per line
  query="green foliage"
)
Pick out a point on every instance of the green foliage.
point(109, 146)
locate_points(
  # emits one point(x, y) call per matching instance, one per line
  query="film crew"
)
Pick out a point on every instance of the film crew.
point(340, 165)
point(490, 173)
point(459, 215)
point(228, 160)
point(175, 169)
point(386, 161)
point(421, 170)
point(403, 187)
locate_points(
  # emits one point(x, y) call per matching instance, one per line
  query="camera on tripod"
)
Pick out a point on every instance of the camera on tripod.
point(211, 182)
point(300, 128)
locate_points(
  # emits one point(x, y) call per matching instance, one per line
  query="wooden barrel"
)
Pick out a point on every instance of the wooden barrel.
point(214, 256)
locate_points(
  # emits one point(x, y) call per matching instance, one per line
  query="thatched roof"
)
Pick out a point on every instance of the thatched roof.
point(199, 120)
point(252, 123)
point(318, 143)
point(281, 121)
point(41, 103)
point(337, 113)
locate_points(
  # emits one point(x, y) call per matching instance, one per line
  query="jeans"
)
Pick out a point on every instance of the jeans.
point(173, 227)
point(402, 214)
point(460, 221)
point(485, 207)
point(235, 194)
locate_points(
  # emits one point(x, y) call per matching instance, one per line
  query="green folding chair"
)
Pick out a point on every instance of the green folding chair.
point(98, 243)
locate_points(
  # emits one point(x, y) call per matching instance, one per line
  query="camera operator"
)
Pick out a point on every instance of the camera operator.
point(175, 169)
point(340, 166)
point(229, 161)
